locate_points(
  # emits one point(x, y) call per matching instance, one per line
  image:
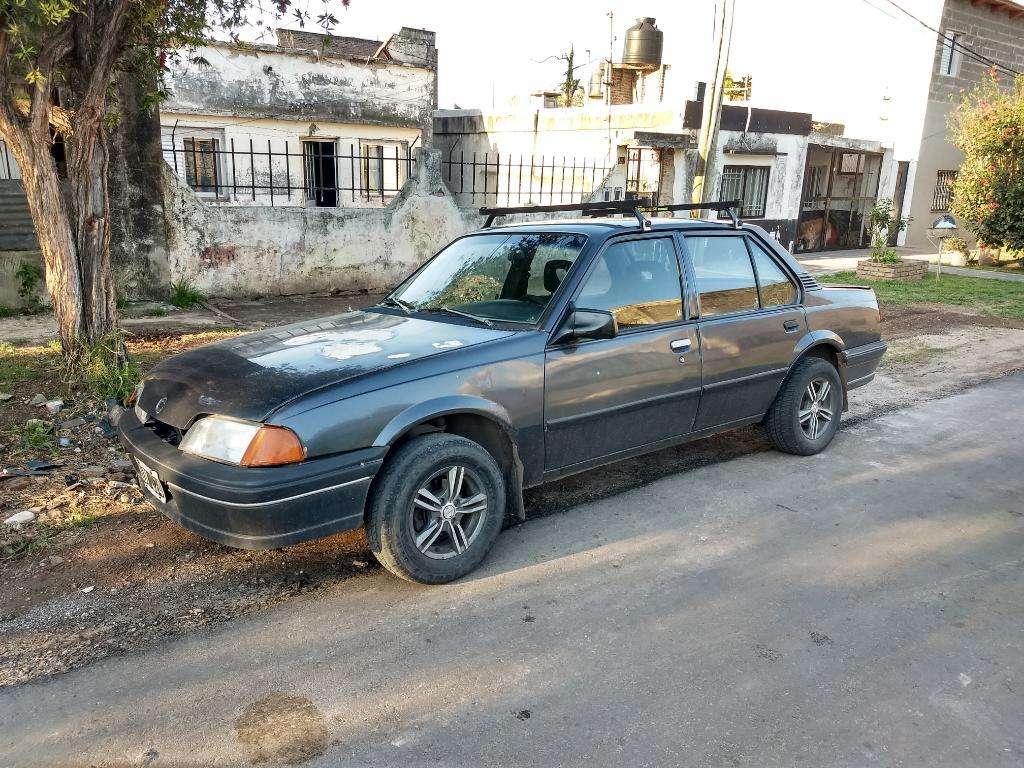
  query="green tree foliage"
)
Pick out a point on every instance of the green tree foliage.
point(988, 193)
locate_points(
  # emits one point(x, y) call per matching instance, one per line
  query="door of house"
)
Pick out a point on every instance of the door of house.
point(321, 170)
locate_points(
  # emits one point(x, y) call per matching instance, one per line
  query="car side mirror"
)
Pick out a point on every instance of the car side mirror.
point(582, 324)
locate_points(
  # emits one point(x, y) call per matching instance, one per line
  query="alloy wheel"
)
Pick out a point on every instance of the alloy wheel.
point(816, 408)
point(448, 512)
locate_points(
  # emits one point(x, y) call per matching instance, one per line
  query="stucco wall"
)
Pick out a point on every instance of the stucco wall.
point(290, 85)
point(253, 251)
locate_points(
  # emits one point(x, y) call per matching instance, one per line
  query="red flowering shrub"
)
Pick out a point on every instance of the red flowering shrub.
point(988, 193)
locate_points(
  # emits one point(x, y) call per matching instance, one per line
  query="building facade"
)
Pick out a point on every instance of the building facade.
point(973, 34)
point(314, 120)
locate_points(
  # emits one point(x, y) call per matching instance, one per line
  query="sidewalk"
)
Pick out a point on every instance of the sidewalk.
point(845, 261)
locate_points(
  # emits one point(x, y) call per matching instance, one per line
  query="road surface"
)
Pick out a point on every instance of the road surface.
point(861, 607)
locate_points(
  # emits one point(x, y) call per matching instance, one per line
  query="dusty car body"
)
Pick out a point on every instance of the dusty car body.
point(565, 390)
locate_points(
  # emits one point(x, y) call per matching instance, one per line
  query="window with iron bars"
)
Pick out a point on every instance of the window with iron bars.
point(748, 183)
point(943, 194)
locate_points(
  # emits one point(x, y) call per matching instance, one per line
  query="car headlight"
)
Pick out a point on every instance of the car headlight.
point(132, 401)
point(245, 443)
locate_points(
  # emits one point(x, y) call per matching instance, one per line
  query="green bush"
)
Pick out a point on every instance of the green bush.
point(6, 311)
point(185, 295)
point(988, 192)
point(29, 276)
point(107, 373)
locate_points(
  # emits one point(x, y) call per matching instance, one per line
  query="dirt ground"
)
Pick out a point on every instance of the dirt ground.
point(99, 573)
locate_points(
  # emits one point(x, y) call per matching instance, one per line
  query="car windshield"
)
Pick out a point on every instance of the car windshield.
point(504, 277)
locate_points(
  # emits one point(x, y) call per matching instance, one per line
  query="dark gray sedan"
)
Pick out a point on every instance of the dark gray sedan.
point(517, 355)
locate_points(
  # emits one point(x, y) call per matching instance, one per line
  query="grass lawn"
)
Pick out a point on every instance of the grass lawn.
point(999, 298)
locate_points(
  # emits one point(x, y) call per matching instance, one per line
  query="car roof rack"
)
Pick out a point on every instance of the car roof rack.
point(634, 207)
point(731, 207)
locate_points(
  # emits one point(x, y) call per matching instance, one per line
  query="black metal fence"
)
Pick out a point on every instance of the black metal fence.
point(496, 179)
point(322, 173)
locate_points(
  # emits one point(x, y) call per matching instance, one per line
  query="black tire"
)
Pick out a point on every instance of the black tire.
point(394, 511)
point(783, 421)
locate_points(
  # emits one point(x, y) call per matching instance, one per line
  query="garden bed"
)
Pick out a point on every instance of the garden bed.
point(900, 270)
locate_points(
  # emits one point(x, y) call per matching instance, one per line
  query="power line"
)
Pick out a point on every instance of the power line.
point(953, 43)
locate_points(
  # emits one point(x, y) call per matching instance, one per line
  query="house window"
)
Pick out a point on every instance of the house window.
point(749, 184)
point(943, 194)
point(321, 172)
point(384, 168)
point(949, 64)
point(201, 164)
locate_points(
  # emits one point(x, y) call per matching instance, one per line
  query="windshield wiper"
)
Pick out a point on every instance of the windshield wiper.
point(392, 301)
point(460, 313)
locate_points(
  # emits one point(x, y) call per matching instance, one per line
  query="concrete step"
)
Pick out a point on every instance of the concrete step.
point(19, 242)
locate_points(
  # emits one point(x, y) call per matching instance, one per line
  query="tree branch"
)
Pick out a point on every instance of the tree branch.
point(105, 58)
point(53, 50)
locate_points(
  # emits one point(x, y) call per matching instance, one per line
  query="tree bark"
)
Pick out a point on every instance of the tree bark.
point(48, 207)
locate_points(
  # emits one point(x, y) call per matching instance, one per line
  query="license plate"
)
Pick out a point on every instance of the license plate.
point(150, 481)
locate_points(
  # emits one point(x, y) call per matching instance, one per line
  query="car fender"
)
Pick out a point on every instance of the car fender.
point(816, 339)
point(822, 338)
point(443, 406)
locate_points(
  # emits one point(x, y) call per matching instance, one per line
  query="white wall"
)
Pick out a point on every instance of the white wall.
point(278, 136)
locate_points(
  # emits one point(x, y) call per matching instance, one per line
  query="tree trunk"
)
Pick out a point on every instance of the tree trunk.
point(49, 210)
point(87, 159)
point(73, 234)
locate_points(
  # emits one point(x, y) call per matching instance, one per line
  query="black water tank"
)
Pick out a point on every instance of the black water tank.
point(643, 44)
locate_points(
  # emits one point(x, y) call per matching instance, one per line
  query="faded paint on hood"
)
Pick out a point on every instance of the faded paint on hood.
point(250, 376)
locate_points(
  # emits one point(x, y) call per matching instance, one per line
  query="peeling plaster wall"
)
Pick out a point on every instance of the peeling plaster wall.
point(253, 251)
point(294, 86)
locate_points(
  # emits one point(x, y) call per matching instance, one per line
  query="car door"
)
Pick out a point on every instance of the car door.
point(750, 321)
point(606, 396)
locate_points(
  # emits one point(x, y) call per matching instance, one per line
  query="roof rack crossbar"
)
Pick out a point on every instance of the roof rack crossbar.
point(633, 207)
point(729, 206)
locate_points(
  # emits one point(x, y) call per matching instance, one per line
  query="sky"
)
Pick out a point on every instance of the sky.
point(858, 62)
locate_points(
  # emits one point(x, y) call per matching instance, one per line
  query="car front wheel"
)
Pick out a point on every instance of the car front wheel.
point(437, 508)
point(805, 415)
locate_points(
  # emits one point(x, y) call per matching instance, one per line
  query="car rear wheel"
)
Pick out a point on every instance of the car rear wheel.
point(805, 415)
point(436, 509)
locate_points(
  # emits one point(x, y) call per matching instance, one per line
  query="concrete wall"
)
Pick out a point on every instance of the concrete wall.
point(10, 263)
point(253, 251)
point(304, 86)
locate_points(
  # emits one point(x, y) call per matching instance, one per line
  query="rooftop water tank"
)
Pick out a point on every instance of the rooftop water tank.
point(643, 44)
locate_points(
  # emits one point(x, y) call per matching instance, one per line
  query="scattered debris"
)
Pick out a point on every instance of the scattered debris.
point(42, 465)
point(87, 590)
point(37, 400)
point(53, 407)
point(5, 396)
point(20, 518)
point(73, 423)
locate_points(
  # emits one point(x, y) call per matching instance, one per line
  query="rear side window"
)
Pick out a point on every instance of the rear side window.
point(776, 288)
point(637, 281)
point(724, 275)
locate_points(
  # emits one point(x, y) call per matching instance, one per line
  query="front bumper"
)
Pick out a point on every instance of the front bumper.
point(252, 508)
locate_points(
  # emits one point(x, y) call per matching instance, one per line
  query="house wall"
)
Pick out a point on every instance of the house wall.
point(305, 87)
point(279, 136)
point(995, 35)
point(254, 251)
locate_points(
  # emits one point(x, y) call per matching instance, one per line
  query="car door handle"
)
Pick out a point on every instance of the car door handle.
point(680, 345)
point(791, 326)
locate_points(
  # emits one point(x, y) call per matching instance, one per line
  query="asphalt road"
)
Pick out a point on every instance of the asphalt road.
point(863, 607)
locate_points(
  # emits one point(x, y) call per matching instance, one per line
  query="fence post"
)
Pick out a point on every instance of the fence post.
point(270, 170)
point(288, 170)
point(252, 170)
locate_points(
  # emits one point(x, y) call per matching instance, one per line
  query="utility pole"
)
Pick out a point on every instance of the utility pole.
point(608, 83)
point(712, 113)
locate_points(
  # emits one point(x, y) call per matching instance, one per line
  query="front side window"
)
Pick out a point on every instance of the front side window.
point(508, 277)
point(749, 184)
point(637, 281)
point(724, 274)
point(776, 288)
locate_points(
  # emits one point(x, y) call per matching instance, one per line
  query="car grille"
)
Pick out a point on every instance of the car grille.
point(166, 432)
point(809, 283)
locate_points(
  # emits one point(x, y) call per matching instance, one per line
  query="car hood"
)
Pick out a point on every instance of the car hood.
point(250, 376)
